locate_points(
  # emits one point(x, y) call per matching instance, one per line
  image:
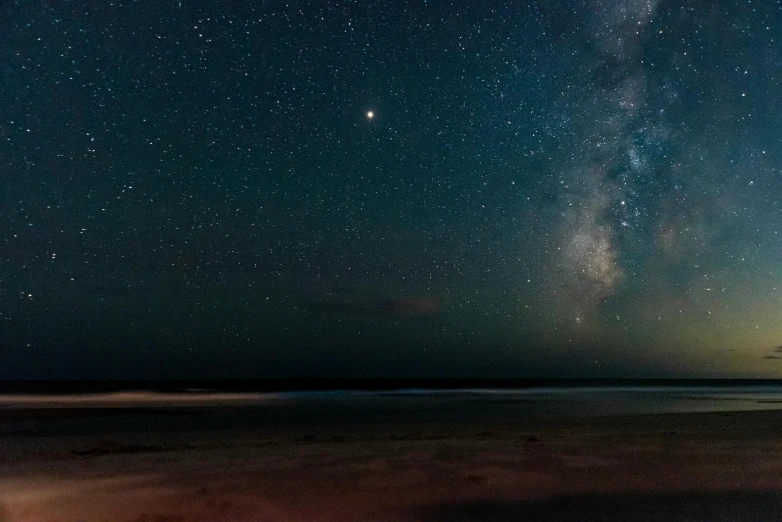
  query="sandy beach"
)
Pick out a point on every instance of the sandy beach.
point(70, 465)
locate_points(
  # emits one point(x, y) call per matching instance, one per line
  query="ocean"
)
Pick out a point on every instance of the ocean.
point(185, 408)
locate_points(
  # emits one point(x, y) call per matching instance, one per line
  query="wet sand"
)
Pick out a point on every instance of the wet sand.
point(685, 466)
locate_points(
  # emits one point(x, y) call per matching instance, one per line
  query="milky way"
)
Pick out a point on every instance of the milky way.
point(610, 155)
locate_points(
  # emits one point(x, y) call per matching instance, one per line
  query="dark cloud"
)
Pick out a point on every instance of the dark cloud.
point(404, 307)
point(774, 354)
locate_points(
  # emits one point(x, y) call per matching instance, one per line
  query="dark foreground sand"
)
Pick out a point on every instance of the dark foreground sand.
point(704, 466)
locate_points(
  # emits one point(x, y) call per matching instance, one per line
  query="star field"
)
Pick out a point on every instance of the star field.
point(418, 189)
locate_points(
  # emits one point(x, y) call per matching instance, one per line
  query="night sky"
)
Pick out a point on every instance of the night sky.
point(420, 189)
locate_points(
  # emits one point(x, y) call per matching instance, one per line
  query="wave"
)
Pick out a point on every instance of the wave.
point(131, 399)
